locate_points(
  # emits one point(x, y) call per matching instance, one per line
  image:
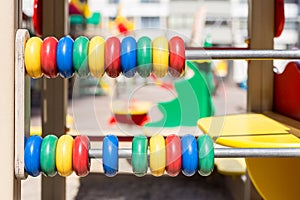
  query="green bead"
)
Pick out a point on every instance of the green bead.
point(80, 56)
point(139, 155)
point(48, 155)
point(206, 155)
point(144, 56)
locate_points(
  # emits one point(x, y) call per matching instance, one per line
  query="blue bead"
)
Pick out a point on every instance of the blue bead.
point(110, 156)
point(128, 56)
point(64, 57)
point(189, 155)
point(32, 155)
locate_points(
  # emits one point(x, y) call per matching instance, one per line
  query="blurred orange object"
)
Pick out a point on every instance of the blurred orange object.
point(133, 112)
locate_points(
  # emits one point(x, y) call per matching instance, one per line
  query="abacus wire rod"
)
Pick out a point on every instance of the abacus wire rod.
point(205, 54)
point(225, 153)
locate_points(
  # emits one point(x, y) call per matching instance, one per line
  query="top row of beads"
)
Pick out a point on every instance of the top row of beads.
point(51, 57)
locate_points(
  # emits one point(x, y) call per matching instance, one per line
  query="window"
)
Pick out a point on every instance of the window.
point(149, 1)
point(150, 22)
point(113, 1)
point(181, 21)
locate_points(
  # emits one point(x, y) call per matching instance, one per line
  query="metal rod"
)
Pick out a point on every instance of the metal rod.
point(225, 153)
point(205, 54)
point(257, 152)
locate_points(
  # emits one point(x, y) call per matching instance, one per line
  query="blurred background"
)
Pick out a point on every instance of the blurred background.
point(201, 23)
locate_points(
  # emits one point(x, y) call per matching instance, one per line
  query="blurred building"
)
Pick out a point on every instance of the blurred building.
point(143, 13)
point(223, 22)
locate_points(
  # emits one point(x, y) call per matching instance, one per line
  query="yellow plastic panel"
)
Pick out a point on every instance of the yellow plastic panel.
point(242, 124)
point(260, 141)
point(231, 166)
point(275, 178)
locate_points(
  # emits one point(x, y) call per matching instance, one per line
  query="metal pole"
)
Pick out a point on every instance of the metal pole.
point(205, 54)
point(196, 53)
point(257, 152)
point(225, 153)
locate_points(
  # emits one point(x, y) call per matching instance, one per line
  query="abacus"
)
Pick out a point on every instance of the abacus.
point(171, 154)
point(115, 68)
point(97, 56)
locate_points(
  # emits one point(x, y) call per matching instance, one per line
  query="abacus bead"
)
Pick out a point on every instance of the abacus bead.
point(160, 56)
point(48, 155)
point(32, 155)
point(139, 155)
point(173, 151)
point(37, 17)
point(189, 155)
point(64, 57)
point(144, 56)
point(157, 155)
point(112, 57)
point(177, 56)
point(64, 155)
point(128, 56)
point(48, 57)
point(110, 155)
point(32, 58)
point(206, 155)
point(80, 56)
point(81, 160)
point(96, 56)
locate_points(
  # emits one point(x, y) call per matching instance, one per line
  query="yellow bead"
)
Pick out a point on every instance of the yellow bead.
point(160, 56)
point(64, 150)
point(33, 57)
point(157, 155)
point(96, 56)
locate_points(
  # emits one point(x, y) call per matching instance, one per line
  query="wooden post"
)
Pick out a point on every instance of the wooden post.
point(260, 73)
point(9, 22)
point(54, 94)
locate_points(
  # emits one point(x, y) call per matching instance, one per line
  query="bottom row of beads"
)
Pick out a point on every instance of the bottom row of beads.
point(171, 154)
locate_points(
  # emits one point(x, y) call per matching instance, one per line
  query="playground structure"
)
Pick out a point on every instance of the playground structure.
point(260, 99)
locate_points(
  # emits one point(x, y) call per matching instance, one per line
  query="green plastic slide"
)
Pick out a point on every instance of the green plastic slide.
point(193, 100)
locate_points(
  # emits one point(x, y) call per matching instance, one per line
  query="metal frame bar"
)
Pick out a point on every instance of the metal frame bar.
point(240, 54)
point(224, 153)
point(206, 54)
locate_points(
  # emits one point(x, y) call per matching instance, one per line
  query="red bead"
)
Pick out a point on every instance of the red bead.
point(112, 57)
point(81, 161)
point(279, 17)
point(48, 57)
point(173, 151)
point(37, 17)
point(177, 56)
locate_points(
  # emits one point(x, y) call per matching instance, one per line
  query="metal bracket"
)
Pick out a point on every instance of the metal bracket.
point(22, 103)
